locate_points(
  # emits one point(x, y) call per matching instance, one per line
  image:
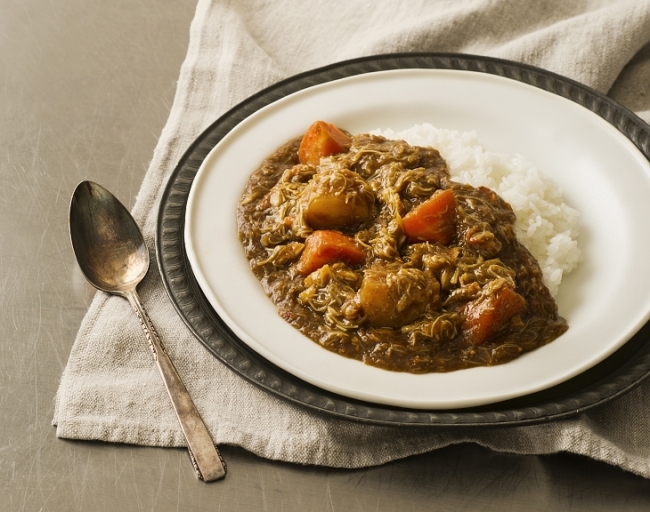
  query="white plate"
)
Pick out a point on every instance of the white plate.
point(606, 300)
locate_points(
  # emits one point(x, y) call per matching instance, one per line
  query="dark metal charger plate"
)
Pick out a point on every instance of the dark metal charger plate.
point(618, 374)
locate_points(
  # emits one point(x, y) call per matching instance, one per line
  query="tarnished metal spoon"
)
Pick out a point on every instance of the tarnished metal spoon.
point(114, 258)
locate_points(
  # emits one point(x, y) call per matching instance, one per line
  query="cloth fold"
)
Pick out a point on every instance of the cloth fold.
point(111, 391)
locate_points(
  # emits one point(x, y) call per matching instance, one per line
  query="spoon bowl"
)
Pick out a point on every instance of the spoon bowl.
point(106, 240)
point(114, 257)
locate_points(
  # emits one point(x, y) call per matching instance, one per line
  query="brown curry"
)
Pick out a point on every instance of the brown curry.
point(370, 249)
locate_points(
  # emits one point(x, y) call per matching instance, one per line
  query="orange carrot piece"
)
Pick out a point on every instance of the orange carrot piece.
point(434, 220)
point(484, 318)
point(322, 139)
point(324, 246)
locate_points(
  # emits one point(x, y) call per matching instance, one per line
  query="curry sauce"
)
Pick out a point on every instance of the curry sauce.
point(373, 252)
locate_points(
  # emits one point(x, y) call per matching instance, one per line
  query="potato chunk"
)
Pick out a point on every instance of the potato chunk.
point(337, 198)
point(392, 297)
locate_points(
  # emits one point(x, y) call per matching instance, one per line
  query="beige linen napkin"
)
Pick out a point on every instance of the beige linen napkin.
point(111, 390)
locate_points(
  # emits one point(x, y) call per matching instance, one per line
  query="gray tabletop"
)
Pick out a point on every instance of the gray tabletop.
point(86, 90)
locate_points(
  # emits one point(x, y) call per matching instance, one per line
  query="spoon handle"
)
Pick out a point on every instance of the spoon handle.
point(206, 459)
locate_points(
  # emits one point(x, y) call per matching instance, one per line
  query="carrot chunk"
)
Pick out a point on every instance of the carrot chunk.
point(434, 220)
point(322, 139)
point(324, 246)
point(486, 316)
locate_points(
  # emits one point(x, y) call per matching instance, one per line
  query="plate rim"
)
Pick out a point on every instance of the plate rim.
point(205, 324)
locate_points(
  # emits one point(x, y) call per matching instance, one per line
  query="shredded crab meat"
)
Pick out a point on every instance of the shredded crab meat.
point(405, 304)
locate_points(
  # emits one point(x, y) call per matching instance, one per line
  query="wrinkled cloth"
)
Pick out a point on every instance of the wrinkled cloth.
point(111, 390)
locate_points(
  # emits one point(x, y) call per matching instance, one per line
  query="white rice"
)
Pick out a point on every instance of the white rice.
point(546, 225)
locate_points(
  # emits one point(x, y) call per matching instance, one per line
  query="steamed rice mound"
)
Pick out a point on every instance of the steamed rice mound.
point(545, 224)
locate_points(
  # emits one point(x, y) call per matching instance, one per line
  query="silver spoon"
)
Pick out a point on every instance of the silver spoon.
point(113, 256)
